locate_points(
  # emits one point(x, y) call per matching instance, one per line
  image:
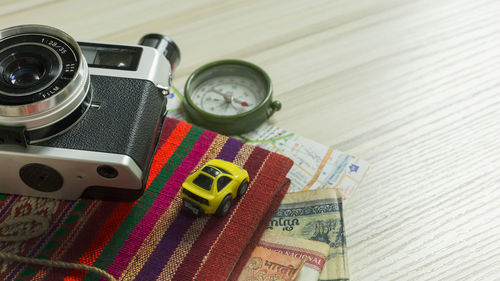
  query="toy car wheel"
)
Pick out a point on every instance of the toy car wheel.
point(224, 206)
point(243, 188)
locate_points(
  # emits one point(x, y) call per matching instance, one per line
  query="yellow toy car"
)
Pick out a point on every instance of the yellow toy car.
point(212, 189)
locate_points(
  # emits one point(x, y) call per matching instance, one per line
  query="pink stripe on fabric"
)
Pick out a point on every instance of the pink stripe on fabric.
point(162, 202)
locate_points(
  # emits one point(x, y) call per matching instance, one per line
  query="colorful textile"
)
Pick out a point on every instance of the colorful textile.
point(151, 238)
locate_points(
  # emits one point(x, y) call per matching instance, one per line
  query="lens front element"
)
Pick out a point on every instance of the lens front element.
point(25, 71)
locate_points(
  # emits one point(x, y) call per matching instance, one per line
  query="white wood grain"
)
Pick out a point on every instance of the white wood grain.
point(411, 86)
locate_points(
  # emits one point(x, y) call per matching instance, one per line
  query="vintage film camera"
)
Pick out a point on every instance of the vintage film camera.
point(80, 119)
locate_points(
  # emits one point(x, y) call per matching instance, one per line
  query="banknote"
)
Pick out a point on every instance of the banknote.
point(265, 264)
point(316, 215)
point(314, 252)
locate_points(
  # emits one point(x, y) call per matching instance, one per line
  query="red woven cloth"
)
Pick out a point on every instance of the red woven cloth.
point(150, 239)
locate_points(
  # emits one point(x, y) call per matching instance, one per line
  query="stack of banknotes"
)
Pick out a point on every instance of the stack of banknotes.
point(304, 240)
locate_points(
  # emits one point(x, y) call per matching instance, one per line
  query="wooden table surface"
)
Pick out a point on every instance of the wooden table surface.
point(412, 86)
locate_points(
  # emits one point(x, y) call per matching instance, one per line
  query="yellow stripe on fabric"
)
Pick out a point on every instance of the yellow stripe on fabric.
point(183, 248)
point(149, 244)
point(243, 154)
point(194, 231)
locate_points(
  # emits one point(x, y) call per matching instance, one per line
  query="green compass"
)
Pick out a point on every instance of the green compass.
point(229, 96)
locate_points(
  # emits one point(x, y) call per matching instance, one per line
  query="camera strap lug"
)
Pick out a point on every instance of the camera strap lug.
point(165, 89)
point(13, 135)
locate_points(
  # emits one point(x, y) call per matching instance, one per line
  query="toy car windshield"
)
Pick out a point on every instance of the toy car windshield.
point(211, 171)
point(203, 181)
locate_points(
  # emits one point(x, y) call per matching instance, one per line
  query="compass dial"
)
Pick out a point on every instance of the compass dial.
point(228, 95)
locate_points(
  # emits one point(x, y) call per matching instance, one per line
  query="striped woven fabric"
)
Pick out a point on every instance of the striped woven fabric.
point(151, 238)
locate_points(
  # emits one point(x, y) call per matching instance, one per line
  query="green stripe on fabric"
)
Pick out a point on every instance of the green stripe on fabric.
point(79, 206)
point(27, 271)
point(145, 202)
point(59, 232)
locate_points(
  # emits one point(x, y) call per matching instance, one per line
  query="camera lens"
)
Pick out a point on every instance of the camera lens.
point(24, 71)
point(44, 81)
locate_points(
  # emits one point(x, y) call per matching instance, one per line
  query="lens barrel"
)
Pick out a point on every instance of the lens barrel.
point(165, 45)
point(44, 81)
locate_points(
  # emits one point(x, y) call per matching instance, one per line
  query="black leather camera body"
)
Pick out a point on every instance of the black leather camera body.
point(80, 119)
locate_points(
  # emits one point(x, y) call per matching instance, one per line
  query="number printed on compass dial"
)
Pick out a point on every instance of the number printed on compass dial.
point(229, 95)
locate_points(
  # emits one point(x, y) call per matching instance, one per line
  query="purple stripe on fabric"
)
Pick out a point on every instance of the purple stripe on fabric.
point(162, 202)
point(7, 206)
point(166, 247)
point(171, 239)
point(230, 149)
point(42, 240)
